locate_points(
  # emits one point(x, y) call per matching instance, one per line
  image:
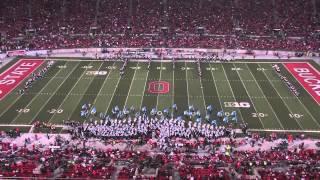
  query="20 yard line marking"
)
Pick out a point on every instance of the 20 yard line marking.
point(134, 74)
point(249, 96)
point(69, 93)
point(51, 96)
point(266, 98)
point(281, 99)
point(37, 96)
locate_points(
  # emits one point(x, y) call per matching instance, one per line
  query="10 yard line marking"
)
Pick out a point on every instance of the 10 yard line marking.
point(249, 97)
point(231, 89)
point(51, 96)
point(37, 96)
point(307, 110)
point(265, 98)
point(281, 99)
point(69, 94)
point(134, 74)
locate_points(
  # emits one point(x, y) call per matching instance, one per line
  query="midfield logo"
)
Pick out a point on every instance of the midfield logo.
point(158, 87)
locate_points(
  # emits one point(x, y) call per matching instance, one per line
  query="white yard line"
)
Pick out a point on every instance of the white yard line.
point(173, 70)
point(159, 80)
point(144, 89)
point(314, 119)
point(204, 101)
point(44, 104)
point(34, 98)
point(290, 131)
point(234, 98)
point(265, 98)
point(68, 94)
point(114, 91)
point(134, 75)
point(186, 69)
point(215, 85)
point(281, 99)
point(249, 97)
point(84, 91)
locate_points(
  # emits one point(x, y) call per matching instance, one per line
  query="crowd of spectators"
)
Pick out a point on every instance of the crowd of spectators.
point(137, 23)
point(141, 157)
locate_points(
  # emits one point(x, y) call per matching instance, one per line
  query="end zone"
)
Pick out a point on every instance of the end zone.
point(307, 76)
point(14, 75)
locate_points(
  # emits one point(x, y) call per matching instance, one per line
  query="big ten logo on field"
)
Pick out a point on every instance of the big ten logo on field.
point(158, 87)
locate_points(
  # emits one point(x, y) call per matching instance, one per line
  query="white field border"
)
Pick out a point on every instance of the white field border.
point(249, 96)
point(284, 131)
point(265, 98)
point(134, 75)
point(26, 76)
point(75, 108)
point(35, 97)
point(234, 98)
point(68, 94)
point(281, 98)
point(36, 114)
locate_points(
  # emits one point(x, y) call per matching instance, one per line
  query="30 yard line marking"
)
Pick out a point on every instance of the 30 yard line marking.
point(231, 90)
point(265, 98)
point(75, 108)
point(134, 74)
point(68, 94)
point(249, 97)
point(186, 69)
point(51, 96)
point(35, 97)
point(281, 99)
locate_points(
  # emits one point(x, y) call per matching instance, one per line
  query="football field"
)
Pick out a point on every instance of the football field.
point(252, 89)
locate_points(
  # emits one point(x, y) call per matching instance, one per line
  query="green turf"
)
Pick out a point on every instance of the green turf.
point(67, 85)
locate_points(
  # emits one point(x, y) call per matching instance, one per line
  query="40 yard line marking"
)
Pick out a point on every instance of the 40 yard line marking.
point(134, 74)
point(281, 99)
point(225, 74)
point(69, 93)
point(265, 98)
point(37, 96)
point(249, 96)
